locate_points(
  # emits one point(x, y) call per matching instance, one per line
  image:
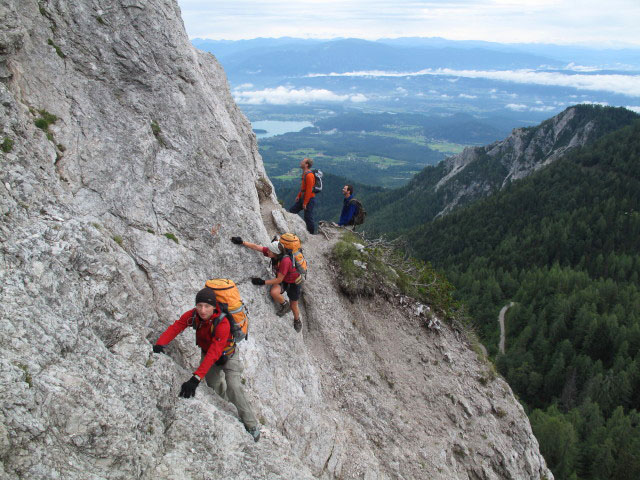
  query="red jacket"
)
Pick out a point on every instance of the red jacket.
point(306, 187)
point(214, 344)
point(284, 266)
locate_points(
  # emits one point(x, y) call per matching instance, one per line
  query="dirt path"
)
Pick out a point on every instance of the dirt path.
point(501, 321)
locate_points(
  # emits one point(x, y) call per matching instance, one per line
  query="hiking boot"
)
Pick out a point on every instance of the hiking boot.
point(254, 432)
point(283, 309)
point(297, 324)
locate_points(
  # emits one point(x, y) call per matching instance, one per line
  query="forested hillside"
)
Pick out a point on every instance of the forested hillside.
point(480, 171)
point(564, 245)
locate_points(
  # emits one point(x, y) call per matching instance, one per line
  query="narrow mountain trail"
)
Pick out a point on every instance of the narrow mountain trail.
point(503, 312)
point(397, 383)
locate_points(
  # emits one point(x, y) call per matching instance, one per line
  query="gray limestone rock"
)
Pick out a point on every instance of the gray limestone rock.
point(131, 168)
point(520, 154)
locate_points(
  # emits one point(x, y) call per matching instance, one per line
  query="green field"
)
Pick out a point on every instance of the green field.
point(386, 159)
point(448, 148)
point(377, 149)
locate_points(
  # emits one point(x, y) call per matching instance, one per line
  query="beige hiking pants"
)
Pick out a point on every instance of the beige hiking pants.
point(229, 387)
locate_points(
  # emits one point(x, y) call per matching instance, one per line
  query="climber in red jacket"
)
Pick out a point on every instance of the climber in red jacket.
point(218, 353)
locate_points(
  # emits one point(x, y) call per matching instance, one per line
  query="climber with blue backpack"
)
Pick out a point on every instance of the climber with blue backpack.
point(289, 268)
point(219, 322)
point(353, 212)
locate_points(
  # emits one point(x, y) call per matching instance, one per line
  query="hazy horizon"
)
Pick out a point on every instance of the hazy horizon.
point(569, 23)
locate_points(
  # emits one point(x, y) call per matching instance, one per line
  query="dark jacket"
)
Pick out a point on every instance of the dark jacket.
point(348, 212)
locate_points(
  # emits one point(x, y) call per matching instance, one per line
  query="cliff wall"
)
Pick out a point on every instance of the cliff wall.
point(126, 168)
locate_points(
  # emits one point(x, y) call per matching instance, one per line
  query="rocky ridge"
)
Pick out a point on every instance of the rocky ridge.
point(478, 171)
point(126, 170)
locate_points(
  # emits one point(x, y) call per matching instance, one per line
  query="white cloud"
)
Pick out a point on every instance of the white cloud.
point(547, 108)
point(358, 98)
point(633, 108)
point(616, 83)
point(285, 95)
point(464, 95)
point(581, 68)
point(519, 107)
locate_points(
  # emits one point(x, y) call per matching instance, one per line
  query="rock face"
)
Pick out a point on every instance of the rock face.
point(126, 168)
point(478, 171)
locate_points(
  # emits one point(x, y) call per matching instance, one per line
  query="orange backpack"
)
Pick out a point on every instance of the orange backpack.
point(230, 302)
point(293, 248)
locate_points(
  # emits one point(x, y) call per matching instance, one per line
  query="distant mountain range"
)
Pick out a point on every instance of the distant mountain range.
point(532, 54)
point(524, 83)
point(299, 59)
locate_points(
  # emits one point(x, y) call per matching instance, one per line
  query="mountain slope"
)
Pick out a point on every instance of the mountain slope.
point(121, 149)
point(480, 171)
point(563, 245)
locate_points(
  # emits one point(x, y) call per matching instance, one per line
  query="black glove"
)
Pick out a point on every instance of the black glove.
point(222, 360)
point(188, 389)
point(257, 281)
point(236, 240)
point(158, 348)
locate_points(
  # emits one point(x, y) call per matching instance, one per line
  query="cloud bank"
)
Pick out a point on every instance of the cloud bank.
point(616, 83)
point(287, 96)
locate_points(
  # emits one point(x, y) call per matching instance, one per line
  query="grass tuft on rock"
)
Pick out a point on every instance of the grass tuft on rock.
point(171, 236)
point(57, 49)
point(382, 267)
point(6, 145)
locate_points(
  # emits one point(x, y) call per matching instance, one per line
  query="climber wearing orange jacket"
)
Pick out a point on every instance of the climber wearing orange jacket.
point(306, 199)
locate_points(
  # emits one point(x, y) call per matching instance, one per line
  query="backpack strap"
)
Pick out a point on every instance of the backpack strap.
point(195, 323)
point(306, 175)
point(231, 349)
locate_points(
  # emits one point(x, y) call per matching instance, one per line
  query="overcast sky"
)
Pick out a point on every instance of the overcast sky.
point(586, 22)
